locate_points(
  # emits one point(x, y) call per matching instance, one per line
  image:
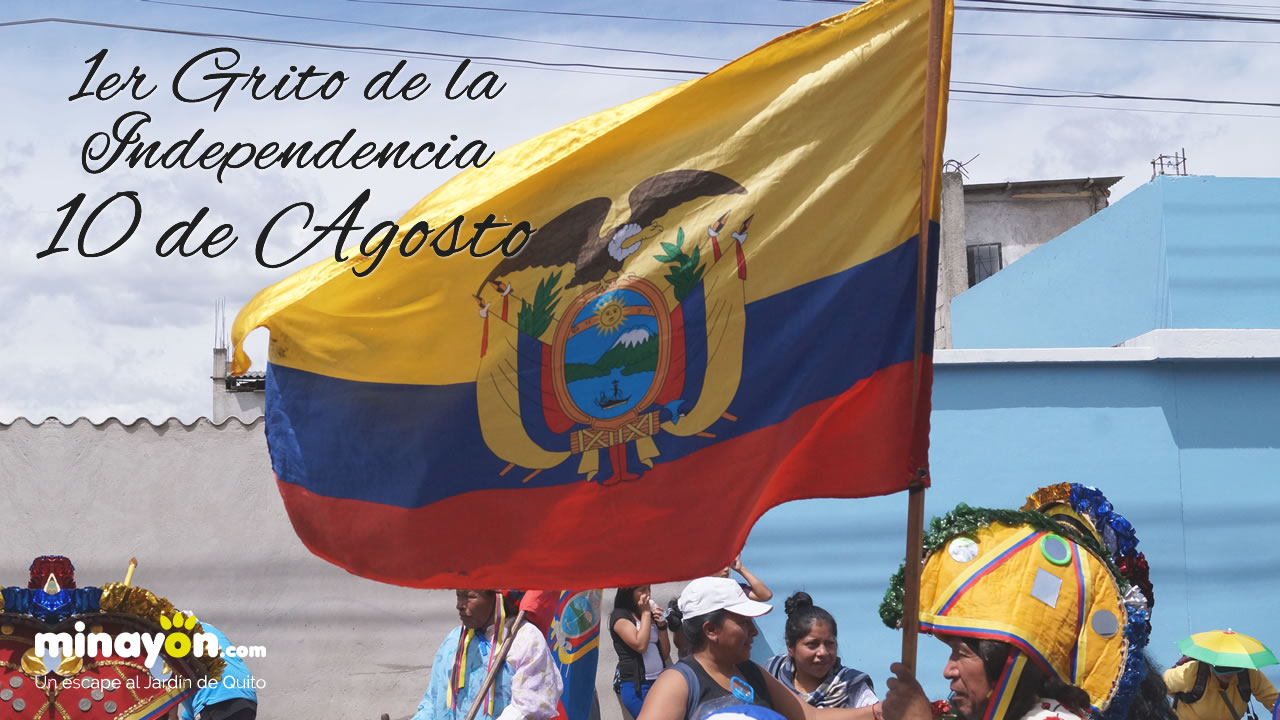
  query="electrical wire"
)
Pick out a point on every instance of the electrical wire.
point(1209, 4)
point(1037, 92)
point(1154, 13)
point(1038, 7)
point(1117, 109)
point(1101, 95)
point(1225, 41)
point(574, 14)
point(458, 33)
point(521, 62)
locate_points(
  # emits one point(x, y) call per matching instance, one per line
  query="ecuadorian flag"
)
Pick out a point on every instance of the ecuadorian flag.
point(722, 309)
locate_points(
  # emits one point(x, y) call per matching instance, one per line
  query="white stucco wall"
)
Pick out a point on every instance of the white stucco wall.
point(1021, 225)
point(246, 406)
point(953, 277)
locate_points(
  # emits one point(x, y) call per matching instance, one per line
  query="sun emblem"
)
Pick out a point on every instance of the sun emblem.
point(610, 313)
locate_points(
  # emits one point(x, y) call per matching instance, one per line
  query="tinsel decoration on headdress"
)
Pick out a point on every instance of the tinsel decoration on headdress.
point(56, 565)
point(1080, 504)
point(1113, 529)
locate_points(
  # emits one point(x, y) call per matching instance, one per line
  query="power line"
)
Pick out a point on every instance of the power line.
point(1209, 4)
point(1226, 41)
point(1116, 109)
point(1099, 95)
point(1038, 36)
point(458, 33)
point(575, 14)
point(521, 62)
point(793, 27)
point(1129, 12)
point(396, 54)
point(1037, 7)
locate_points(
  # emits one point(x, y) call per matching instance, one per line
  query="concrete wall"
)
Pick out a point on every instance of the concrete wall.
point(197, 506)
point(1023, 223)
point(1178, 252)
point(246, 406)
point(953, 277)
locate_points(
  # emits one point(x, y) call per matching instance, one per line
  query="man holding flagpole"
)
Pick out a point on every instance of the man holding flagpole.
point(526, 685)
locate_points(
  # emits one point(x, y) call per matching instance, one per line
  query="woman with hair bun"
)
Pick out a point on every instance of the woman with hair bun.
point(811, 667)
point(717, 676)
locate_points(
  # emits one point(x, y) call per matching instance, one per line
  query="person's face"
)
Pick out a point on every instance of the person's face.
point(968, 675)
point(1223, 674)
point(640, 596)
point(475, 608)
point(815, 653)
point(733, 638)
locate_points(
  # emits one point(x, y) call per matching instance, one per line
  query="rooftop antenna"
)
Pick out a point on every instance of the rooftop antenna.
point(220, 324)
point(960, 167)
point(1175, 164)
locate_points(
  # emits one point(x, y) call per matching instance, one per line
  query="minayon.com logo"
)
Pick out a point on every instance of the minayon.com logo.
point(178, 641)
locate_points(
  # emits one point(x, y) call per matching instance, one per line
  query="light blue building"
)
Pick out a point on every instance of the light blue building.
point(1138, 352)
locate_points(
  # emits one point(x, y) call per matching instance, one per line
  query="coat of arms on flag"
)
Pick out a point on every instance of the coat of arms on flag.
point(607, 359)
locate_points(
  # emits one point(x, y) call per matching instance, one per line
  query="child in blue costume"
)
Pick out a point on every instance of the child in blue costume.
point(232, 697)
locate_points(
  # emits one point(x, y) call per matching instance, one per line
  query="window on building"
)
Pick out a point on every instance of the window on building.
point(984, 261)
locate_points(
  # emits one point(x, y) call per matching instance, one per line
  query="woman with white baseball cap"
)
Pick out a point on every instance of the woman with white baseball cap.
point(718, 672)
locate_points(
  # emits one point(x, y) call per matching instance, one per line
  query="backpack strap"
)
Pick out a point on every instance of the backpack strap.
point(695, 687)
point(1196, 692)
point(755, 678)
point(1246, 692)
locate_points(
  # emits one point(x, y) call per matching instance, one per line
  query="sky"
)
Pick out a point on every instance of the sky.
point(129, 334)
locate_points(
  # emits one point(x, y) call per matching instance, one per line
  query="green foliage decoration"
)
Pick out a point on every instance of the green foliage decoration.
point(533, 320)
point(685, 271)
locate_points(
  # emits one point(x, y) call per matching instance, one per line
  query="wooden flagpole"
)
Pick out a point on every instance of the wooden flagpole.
point(496, 664)
point(929, 176)
point(911, 584)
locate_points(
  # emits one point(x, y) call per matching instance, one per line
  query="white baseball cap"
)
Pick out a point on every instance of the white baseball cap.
point(708, 594)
